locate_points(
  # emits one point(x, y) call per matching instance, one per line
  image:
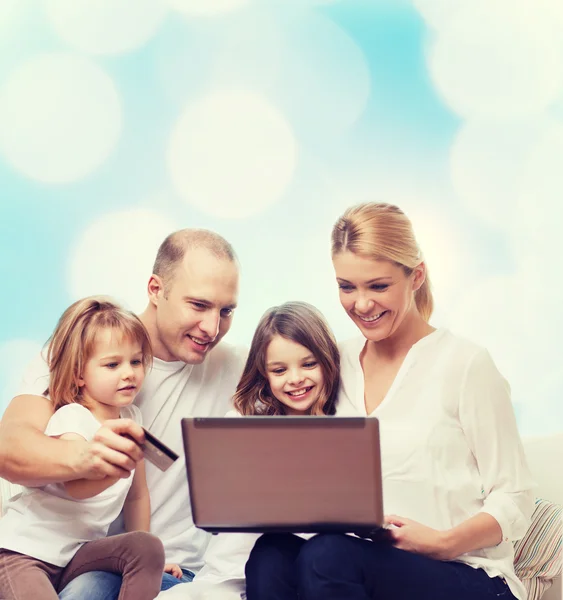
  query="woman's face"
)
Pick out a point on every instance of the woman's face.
point(376, 294)
point(295, 376)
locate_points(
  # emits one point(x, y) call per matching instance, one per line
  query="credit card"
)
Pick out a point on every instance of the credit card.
point(158, 453)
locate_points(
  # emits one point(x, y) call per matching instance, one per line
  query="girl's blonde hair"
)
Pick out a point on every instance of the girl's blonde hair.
point(72, 343)
point(303, 324)
point(383, 232)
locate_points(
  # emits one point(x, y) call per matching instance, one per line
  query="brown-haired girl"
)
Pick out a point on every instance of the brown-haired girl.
point(293, 368)
point(293, 365)
point(97, 357)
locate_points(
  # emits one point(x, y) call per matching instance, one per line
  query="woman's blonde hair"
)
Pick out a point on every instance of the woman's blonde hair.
point(383, 232)
point(72, 343)
point(303, 324)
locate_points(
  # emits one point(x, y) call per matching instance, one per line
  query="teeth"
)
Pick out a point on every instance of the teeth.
point(198, 341)
point(298, 392)
point(370, 319)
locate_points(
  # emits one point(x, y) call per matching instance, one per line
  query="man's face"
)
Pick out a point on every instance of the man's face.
point(197, 310)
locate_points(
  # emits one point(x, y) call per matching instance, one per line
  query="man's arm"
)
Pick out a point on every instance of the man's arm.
point(29, 457)
point(81, 489)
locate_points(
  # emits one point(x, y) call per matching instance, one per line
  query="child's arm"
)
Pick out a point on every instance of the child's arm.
point(137, 507)
point(137, 511)
point(80, 489)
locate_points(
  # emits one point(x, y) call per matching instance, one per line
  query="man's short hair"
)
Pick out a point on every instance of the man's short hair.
point(174, 247)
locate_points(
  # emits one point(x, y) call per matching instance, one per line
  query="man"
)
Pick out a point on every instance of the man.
point(192, 295)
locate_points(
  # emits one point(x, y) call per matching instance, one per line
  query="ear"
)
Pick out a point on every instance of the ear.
point(155, 289)
point(80, 382)
point(419, 276)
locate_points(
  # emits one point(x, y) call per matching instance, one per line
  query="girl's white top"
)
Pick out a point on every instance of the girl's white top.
point(48, 524)
point(450, 447)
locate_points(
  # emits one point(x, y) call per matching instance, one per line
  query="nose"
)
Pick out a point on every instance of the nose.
point(363, 304)
point(210, 324)
point(295, 376)
point(127, 370)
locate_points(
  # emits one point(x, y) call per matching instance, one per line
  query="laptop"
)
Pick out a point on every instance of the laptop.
point(284, 474)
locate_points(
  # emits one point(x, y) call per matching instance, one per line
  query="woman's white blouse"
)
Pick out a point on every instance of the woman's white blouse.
point(449, 443)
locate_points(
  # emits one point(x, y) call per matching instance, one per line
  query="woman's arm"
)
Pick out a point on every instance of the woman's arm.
point(480, 531)
point(487, 418)
point(137, 507)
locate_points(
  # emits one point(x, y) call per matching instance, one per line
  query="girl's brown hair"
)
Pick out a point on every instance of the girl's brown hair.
point(383, 231)
point(72, 343)
point(303, 324)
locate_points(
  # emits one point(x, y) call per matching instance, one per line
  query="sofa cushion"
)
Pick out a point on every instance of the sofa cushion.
point(538, 555)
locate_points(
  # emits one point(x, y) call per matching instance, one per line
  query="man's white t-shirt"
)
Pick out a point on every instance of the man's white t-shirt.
point(450, 447)
point(171, 391)
point(49, 524)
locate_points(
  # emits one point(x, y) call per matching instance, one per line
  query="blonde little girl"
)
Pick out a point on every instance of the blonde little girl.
point(97, 356)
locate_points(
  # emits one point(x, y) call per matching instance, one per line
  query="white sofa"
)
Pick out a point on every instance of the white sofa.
point(545, 457)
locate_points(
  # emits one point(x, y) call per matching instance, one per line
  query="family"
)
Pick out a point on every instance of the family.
point(95, 523)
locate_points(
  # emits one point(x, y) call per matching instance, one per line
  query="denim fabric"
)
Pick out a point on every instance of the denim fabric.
point(96, 585)
point(101, 585)
point(169, 581)
point(339, 567)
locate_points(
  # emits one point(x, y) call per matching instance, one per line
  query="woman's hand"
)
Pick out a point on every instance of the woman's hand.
point(173, 570)
point(412, 536)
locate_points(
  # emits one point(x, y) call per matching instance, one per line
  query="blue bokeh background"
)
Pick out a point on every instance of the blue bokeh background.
point(122, 120)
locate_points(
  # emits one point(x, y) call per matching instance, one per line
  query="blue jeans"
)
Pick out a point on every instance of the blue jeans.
point(169, 581)
point(103, 585)
point(340, 567)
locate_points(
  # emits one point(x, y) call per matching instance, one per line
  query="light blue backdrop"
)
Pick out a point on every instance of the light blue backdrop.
point(122, 120)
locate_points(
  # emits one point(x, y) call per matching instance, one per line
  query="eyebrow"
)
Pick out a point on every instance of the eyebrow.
point(206, 302)
point(116, 356)
point(280, 362)
point(385, 277)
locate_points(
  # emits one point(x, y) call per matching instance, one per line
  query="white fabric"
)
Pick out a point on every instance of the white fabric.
point(543, 453)
point(449, 443)
point(225, 560)
point(196, 590)
point(171, 391)
point(46, 522)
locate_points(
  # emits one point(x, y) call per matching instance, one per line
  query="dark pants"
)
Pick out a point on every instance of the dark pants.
point(138, 557)
point(340, 567)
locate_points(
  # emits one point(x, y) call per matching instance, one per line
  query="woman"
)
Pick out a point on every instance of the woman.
point(456, 486)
